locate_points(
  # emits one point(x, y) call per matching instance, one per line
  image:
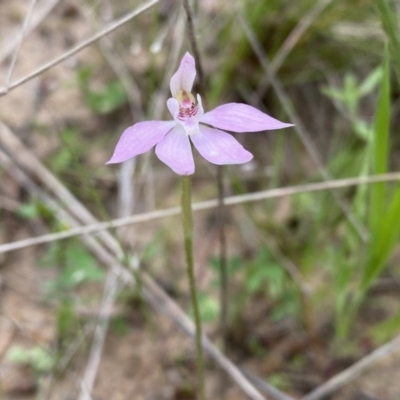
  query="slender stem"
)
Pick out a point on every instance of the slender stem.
point(222, 259)
point(195, 47)
point(221, 205)
point(223, 271)
point(188, 230)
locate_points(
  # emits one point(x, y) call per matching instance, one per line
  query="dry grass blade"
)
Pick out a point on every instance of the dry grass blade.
point(12, 42)
point(352, 372)
point(110, 292)
point(289, 43)
point(126, 188)
point(205, 205)
point(294, 118)
point(111, 252)
point(137, 11)
point(20, 40)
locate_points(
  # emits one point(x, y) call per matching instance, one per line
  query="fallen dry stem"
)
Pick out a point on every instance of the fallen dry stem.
point(20, 40)
point(137, 11)
point(353, 372)
point(110, 293)
point(11, 41)
point(290, 42)
point(204, 205)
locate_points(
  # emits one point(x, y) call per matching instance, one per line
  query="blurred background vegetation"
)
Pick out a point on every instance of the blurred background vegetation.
point(312, 291)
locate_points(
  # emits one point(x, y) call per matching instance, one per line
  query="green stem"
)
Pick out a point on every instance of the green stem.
point(188, 230)
point(222, 260)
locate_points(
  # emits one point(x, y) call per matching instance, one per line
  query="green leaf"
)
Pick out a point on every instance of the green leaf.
point(109, 98)
point(234, 265)
point(254, 283)
point(363, 130)
point(386, 330)
point(120, 326)
point(333, 93)
point(29, 211)
point(351, 93)
point(370, 82)
point(61, 160)
point(67, 323)
point(80, 267)
point(209, 307)
point(153, 249)
point(17, 354)
point(37, 357)
point(52, 256)
point(41, 360)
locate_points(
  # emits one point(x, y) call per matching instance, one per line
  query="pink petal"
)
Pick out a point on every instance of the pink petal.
point(173, 107)
point(184, 76)
point(219, 147)
point(200, 111)
point(237, 117)
point(175, 151)
point(139, 138)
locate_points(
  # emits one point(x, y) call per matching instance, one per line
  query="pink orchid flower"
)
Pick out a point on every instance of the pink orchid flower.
point(172, 138)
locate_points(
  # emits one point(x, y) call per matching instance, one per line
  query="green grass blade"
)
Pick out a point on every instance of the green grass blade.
point(391, 26)
point(383, 242)
point(384, 215)
point(380, 146)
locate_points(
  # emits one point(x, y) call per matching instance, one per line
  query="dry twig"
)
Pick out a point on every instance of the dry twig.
point(287, 46)
point(137, 11)
point(11, 42)
point(352, 372)
point(20, 40)
point(204, 205)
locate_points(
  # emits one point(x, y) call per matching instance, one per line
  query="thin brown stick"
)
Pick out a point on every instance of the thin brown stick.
point(353, 372)
point(11, 41)
point(20, 40)
point(200, 206)
point(126, 188)
point(110, 292)
point(287, 46)
point(137, 11)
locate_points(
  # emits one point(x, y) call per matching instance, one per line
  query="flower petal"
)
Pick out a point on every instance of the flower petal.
point(219, 147)
point(200, 110)
point(173, 107)
point(175, 151)
point(184, 76)
point(139, 138)
point(237, 117)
